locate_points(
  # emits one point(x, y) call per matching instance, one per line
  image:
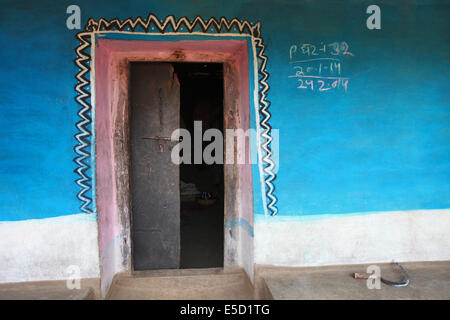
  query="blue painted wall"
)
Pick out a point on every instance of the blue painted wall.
point(382, 145)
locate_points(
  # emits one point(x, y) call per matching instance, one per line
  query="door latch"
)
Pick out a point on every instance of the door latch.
point(161, 138)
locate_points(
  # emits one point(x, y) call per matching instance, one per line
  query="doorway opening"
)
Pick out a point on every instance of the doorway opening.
point(177, 210)
point(201, 185)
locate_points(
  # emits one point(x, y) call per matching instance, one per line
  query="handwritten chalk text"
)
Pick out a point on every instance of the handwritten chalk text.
point(319, 67)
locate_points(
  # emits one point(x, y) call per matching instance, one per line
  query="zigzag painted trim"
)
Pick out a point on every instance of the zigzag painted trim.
point(82, 149)
point(170, 24)
point(175, 25)
point(268, 164)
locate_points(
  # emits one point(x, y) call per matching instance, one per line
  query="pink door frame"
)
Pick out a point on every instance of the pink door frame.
point(111, 62)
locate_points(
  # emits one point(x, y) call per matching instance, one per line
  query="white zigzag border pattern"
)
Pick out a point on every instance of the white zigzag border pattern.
point(82, 149)
point(83, 58)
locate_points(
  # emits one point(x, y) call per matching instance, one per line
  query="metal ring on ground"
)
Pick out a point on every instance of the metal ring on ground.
point(403, 283)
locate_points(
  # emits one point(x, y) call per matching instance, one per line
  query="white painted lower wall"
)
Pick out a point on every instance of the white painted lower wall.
point(421, 235)
point(110, 263)
point(43, 249)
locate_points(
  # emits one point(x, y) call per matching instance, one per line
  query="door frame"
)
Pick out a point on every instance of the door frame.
point(112, 59)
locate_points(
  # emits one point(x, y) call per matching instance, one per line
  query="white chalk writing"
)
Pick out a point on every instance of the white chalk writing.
point(319, 67)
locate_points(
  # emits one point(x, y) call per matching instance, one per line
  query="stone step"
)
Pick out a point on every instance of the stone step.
point(195, 284)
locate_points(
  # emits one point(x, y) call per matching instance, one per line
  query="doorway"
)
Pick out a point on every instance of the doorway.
point(112, 62)
point(177, 211)
point(201, 185)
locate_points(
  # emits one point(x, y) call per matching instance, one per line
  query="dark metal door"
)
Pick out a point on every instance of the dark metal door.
point(155, 193)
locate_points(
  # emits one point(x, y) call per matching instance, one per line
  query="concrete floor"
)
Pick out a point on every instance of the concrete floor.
point(201, 233)
point(428, 280)
point(50, 290)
